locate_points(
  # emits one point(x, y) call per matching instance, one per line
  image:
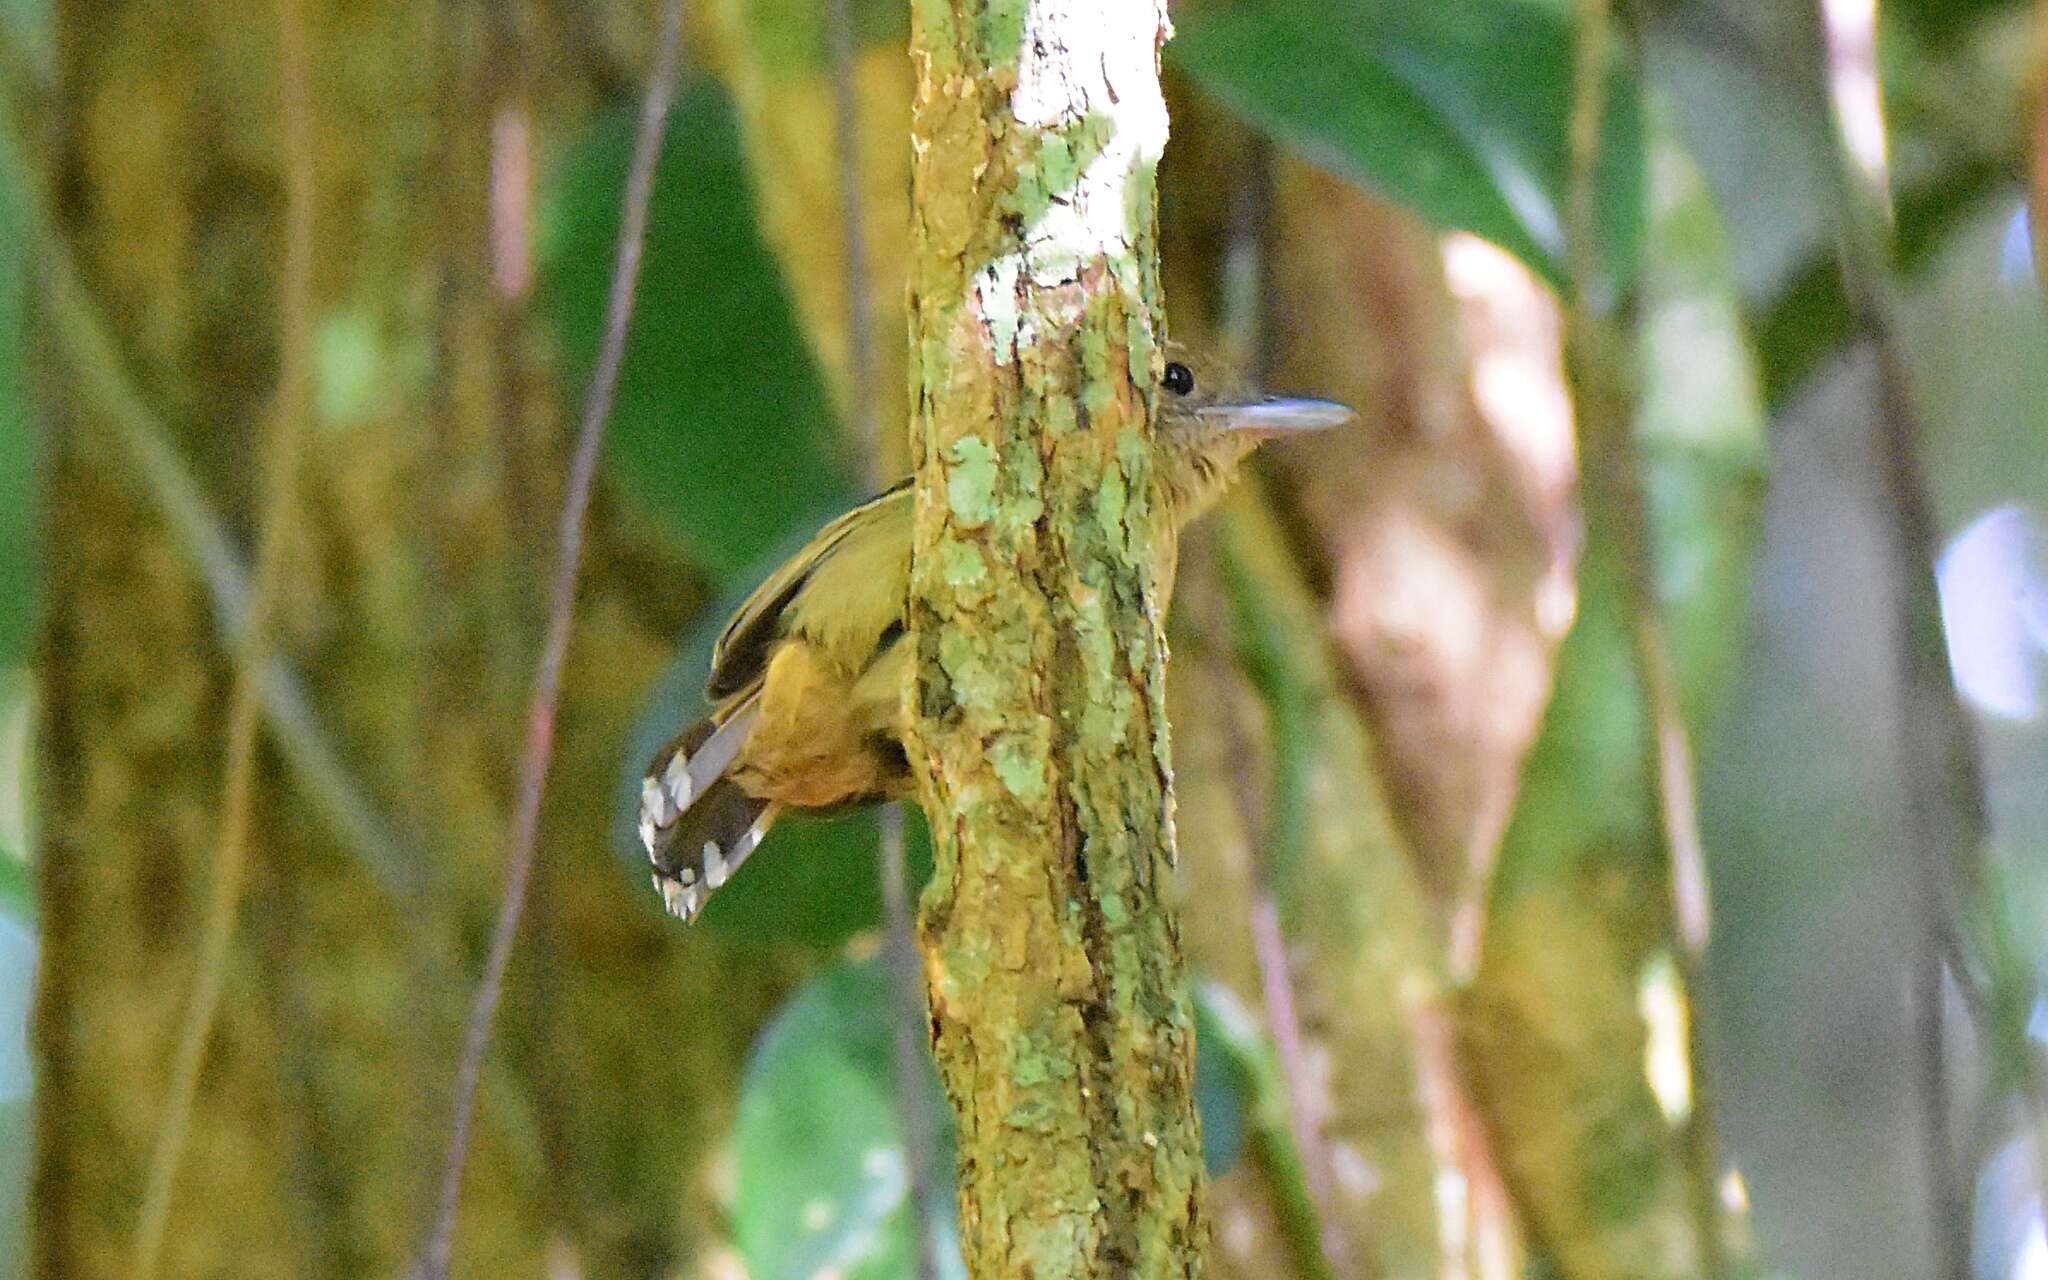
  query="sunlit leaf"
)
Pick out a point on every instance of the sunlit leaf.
point(723, 425)
point(823, 1183)
point(1459, 111)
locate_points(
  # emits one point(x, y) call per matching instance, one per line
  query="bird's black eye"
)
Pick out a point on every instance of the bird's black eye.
point(1178, 379)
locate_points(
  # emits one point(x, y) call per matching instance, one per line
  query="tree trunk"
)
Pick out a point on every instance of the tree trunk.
point(1060, 1022)
point(427, 489)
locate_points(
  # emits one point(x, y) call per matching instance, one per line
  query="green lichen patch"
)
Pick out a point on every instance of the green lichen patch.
point(971, 481)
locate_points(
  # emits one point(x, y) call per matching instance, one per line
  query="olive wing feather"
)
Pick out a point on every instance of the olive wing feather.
point(860, 561)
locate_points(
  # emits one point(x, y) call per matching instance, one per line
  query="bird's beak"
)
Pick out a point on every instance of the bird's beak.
point(1276, 416)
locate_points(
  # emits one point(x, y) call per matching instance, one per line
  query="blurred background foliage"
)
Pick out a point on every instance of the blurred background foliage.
point(1438, 698)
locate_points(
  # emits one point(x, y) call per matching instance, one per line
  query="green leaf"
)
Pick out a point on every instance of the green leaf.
point(17, 450)
point(1459, 111)
point(1578, 909)
point(1233, 1063)
point(791, 33)
point(823, 1186)
point(1945, 22)
point(723, 424)
point(813, 880)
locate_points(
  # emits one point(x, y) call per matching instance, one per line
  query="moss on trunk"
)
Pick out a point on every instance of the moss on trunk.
point(429, 491)
point(1060, 1022)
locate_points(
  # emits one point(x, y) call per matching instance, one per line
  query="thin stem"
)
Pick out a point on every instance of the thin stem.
point(540, 732)
point(1602, 357)
point(1306, 1115)
point(1280, 826)
point(294, 399)
point(1591, 50)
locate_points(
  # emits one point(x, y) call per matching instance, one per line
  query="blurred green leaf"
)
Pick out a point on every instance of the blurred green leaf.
point(791, 33)
point(823, 1185)
point(723, 425)
point(814, 880)
point(17, 449)
point(1237, 1077)
point(1460, 111)
point(1586, 792)
point(1943, 21)
point(1809, 320)
point(822, 1182)
point(1580, 901)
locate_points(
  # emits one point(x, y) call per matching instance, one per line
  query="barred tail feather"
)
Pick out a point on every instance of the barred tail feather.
point(707, 845)
point(697, 824)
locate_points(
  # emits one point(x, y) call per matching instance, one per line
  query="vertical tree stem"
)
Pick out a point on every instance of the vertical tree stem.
point(547, 682)
point(1038, 585)
point(1602, 357)
point(288, 420)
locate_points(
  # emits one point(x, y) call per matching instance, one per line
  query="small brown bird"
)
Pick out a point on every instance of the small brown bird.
point(807, 680)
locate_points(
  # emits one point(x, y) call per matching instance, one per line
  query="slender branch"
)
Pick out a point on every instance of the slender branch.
point(293, 407)
point(907, 1023)
point(1280, 831)
point(1271, 1145)
point(1603, 373)
point(1943, 777)
point(1590, 52)
point(540, 731)
point(1306, 1116)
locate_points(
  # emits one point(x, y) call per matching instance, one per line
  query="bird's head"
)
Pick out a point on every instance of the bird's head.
point(1209, 421)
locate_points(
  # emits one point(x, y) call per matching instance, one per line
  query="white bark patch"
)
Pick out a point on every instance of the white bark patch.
point(1080, 60)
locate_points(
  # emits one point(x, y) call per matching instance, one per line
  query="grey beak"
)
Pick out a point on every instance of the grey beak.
point(1277, 416)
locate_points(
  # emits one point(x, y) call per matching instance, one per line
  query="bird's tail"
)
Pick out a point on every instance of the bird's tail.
point(697, 824)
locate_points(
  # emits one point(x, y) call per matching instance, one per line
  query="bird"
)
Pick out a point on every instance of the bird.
point(807, 679)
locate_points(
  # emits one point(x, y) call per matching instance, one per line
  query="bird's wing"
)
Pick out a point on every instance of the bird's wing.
point(864, 555)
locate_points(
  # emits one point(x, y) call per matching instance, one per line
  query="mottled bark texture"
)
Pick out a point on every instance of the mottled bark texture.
point(1060, 1022)
point(428, 491)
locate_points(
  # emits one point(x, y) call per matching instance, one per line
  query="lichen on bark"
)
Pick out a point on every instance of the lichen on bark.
point(1039, 737)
